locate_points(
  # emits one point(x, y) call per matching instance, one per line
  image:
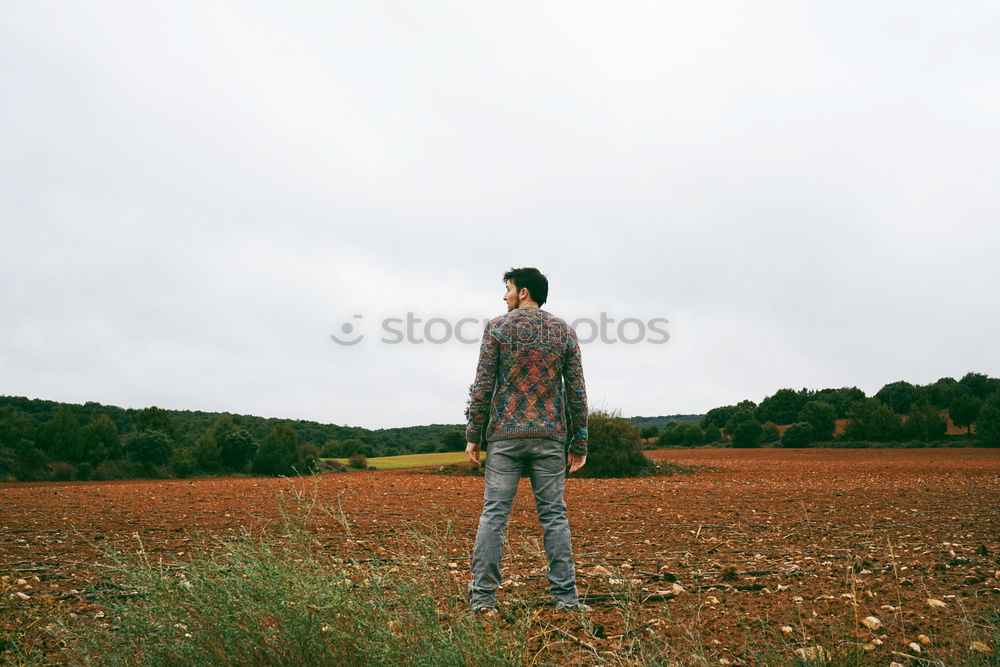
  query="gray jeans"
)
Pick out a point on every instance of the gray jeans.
point(544, 462)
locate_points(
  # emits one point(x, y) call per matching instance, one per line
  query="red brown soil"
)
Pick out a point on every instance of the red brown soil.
point(850, 531)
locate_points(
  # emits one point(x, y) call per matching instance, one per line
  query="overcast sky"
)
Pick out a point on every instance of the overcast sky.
point(195, 195)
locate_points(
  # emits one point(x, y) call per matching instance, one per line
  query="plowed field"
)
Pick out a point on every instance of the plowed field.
point(811, 540)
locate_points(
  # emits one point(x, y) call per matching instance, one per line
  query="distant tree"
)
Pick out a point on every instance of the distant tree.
point(348, 448)
point(100, 440)
point(650, 432)
point(31, 461)
point(308, 457)
point(979, 385)
point(841, 399)
point(964, 411)
point(988, 423)
point(8, 464)
point(925, 423)
point(150, 448)
point(428, 447)
point(613, 448)
point(900, 396)
point(182, 462)
point(942, 392)
point(871, 419)
point(60, 436)
point(672, 434)
point(207, 452)
point(15, 426)
point(769, 432)
point(237, 449)
point(84, 470)
point(782, 407)
point(278, 453)
point(747, 434)
point(454, 441)
point(800, 434)
point(736, 418)
point(223, 426)
point(715, 417)
point(713, 434)
point(822, 417)
point(157, 419)
point(691, 435)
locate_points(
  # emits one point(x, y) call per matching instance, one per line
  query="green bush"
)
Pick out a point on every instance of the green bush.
point(798, 435)
point(769, 433)
point(237, 449)
point(358, 462)
point(747, 433)
point(821, 416)
point(84, 471)
point(614, 448)
point(988, 426)
point(925, 423)
point(278, 454)
point(871, 420)
point(60, 471)
point(150, 448)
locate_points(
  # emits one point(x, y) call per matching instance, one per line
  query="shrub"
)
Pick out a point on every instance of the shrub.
point(308, 457)
point(870, 419)
point(358, 462)
point(988, 426)
point(672, 434)
point(149, 448)
point(84, 471)
point(453, 441)
point(613, 448)
point(747, 433)
point(120, 469)
point(183, 462)
point(330, 465)
point(821, 416)
point(964, 411)
point(691, 435)
point(769, 432)
point(62, 471)
point(798, 435)
point(237, 449)
point(925, 423)
point(278, 454)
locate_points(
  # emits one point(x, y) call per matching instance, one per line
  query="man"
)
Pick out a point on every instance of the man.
point(528, 402)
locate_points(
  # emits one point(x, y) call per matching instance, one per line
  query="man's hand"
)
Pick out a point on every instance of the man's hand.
point(472, 452)
point(576, 461)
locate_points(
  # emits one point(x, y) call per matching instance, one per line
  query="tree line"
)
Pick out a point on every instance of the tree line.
point(900, 412)
point(47, 440)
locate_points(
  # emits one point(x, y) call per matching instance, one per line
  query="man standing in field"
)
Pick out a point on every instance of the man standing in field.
point(527, 404)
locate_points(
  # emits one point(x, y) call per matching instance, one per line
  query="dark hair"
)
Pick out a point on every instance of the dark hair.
point(532, 279)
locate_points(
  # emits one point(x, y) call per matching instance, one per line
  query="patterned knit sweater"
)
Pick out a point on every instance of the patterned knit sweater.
point(529, 381)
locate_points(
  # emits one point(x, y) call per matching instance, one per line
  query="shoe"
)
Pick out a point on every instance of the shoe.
point(579, 606)
point(485, 611)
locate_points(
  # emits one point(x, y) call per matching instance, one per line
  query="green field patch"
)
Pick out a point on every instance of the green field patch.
point(411, 460)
